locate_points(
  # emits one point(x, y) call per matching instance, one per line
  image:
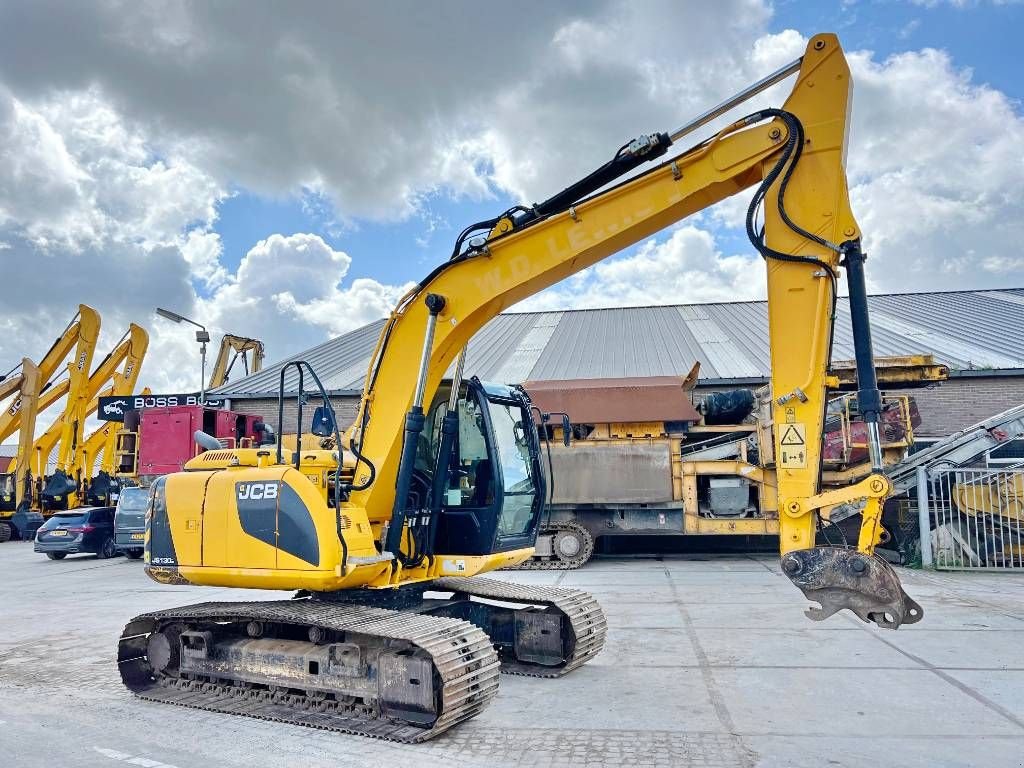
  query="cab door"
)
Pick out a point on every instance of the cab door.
point(494, 496)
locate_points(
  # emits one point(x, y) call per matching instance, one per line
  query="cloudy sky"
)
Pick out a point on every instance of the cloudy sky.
point(283, 171)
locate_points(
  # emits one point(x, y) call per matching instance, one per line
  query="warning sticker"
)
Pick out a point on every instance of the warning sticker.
point(794, 434)
point(793, 446)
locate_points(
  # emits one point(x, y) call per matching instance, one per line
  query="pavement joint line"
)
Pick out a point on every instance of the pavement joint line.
point(762, 563)
point(992, 607)
point(715, 695)
point(71, 572)
point(941, 674)
point(561, 576)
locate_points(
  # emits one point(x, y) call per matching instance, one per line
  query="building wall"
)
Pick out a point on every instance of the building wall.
point(962, 401)
point(344, 409)
point(945, 408)
point(952, 405)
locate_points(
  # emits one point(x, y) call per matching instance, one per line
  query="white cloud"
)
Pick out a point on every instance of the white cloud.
point(937, 174)
point(123, 126)
point(686, 267)
point(40, 182)
point(202, 250)
point(288, 291)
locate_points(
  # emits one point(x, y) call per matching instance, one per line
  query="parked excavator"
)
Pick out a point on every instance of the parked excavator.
point(121, 367)
point(62, 488)
point(17, 519)
point(78, 337)
point(233, 348)
point(393, 633)
point(57, 490)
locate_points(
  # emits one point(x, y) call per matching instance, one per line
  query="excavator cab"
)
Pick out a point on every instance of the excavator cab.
point(492, 489)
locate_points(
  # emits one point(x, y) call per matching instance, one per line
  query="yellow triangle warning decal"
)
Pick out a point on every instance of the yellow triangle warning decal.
point(794, 435)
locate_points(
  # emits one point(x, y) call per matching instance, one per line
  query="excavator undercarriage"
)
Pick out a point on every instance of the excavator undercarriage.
point(393, 664)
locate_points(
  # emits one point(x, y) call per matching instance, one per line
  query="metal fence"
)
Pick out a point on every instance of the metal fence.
point(976, 518)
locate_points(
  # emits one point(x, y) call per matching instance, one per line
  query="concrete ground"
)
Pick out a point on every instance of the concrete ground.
point(709, 662)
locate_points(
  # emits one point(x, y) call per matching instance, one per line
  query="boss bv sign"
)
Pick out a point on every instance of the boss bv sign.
point(114, 408)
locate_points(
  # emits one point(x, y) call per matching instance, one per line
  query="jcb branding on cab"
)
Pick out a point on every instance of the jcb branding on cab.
point(257, 490)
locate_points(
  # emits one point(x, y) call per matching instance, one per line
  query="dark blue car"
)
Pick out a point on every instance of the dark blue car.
point(86, 529)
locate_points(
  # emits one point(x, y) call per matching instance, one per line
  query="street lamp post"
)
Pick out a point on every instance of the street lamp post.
point(202, 336)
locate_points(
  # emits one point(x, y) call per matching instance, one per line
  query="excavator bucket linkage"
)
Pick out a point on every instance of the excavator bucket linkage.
point(838, 577)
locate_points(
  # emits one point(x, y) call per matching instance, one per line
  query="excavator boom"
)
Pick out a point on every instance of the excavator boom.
point(231, 349)
point(795, 156)
point(121, 367)
point(16, 517)
point(64, 483)
point(84, 326)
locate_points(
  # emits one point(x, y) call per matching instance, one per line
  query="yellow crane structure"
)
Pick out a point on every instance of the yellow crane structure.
point(82, 331)
point(396, 634)
point(233, 348)
point(64, 488)
point(71, 353)
point(16, 517)
point(121, 367)
point(68, 429)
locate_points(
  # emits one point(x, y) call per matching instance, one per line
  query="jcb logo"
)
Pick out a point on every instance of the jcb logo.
point(257, 491)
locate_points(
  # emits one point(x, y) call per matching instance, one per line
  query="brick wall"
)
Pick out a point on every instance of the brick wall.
point(961, 401)
point(344, 409)
point(952, 405)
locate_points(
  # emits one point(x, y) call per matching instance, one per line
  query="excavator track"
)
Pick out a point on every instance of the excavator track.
point(384, 655)
point(558, 561)
point(583, 633)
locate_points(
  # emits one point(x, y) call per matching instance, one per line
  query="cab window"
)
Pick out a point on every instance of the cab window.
point(513, 450)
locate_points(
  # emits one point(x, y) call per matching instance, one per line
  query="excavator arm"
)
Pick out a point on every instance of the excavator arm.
point(120, 367)
point(241, 347)
point(82, 331)
point(15, 514)
point(795, 157)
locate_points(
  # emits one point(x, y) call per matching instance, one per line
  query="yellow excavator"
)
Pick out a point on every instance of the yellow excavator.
point(121, 367)
point(17, 520)
point(58, 490)
point(231, 349)
point(78, 338)
point(384, 533)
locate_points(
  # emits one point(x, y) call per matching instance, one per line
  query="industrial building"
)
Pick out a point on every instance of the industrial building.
point(978, 334)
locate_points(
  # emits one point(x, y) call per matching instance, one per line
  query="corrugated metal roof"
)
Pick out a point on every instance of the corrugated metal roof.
point(966, 330)
point(340, 363)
